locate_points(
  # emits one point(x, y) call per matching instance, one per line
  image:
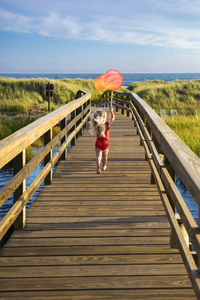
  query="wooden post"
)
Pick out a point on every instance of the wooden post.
point(18, 164)
point(63, 124)
point(77, 123)
point(81, 130)
point(116, 107)
point(73, 116)
point(173, 239)
point(122, 103)
point(84, 107)
point(111, 98)
point(127, 112)
point(185, 234)
point(48, 157)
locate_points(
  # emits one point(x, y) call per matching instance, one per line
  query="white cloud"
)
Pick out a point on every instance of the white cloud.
point(14, 22)
point(146, 29)
point(186, 7)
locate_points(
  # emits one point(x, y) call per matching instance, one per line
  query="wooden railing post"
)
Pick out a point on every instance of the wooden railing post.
point(18, 163)
point(173, 239)
point(48, 157)
point(127, 112)
point(63, 124)
point(84, 107)
point(73, 116)
point(81, 119)
point(122, 103)
point(116, 107)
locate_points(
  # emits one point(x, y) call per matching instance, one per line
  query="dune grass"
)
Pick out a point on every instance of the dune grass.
point(188, 129)
point(28, 95)
point(23, 95)
point(8, 124)
point(180, 97)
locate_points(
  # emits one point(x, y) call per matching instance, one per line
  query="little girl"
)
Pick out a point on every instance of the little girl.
point(102, 130)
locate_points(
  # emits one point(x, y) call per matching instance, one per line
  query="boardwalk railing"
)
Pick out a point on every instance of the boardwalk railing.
point(167, 156)
point(71, 118)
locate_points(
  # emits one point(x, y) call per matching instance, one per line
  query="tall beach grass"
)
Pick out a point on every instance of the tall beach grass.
point(180, 95)
point(25, 95)
point(188, 129)
point(178, 99)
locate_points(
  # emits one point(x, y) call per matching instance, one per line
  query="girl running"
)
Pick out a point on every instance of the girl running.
point(102, 130)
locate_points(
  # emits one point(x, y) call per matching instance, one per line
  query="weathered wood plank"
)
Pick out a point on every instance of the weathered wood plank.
point(151, 240)
point(71, 260)
point(110, 294)
point(91, 232)
point(85, 220)
point(101, 282)
point(87, 212)
point(94, 270)
point(88, 250)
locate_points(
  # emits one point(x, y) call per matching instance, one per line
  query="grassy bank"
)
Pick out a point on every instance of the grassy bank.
point(179, 95)
point(8, 124)
point(178, 99)
point(188, 129)
point(28, 95)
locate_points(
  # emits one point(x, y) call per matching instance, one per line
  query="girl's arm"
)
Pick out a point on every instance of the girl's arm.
point(112, 116)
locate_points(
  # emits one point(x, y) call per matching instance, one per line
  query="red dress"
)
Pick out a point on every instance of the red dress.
point(102, 142)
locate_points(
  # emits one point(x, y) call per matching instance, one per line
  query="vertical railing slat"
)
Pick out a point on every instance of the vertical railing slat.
point(18, 163)
point(48, 158)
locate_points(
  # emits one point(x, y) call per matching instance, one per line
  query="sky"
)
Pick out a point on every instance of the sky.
point(90, 36)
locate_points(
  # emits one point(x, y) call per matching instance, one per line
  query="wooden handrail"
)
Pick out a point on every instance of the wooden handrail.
point(185, 162)
point(157, 139)
point(13, 148)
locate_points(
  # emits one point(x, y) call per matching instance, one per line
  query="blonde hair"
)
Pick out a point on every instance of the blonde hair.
point(98, 122)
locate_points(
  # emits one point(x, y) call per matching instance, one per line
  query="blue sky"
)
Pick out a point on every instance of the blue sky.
point(89, 36)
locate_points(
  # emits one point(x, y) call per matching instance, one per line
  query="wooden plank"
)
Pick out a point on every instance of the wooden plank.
point(88, 250)
point(151, 240)
point(140, 218)
point(91, 260)
point(98, 224)
point(65, 202)
point(110, 294)
point(95, 232)
point(94, 270)
point(101, 282)
point(87, 212)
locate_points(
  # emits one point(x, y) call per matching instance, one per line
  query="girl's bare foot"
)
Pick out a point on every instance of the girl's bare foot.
point(104, 168)
point(98, 171)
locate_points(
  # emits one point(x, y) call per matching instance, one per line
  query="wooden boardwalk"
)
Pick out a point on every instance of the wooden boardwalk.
point(94, 236)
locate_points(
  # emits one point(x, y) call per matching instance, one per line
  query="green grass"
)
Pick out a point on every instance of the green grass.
point(24, 95)
point(188, 129)
point(181, 96)
point(8, 124)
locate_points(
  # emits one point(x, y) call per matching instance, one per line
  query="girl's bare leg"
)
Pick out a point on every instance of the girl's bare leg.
point(105, 157)
point(98, 159)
